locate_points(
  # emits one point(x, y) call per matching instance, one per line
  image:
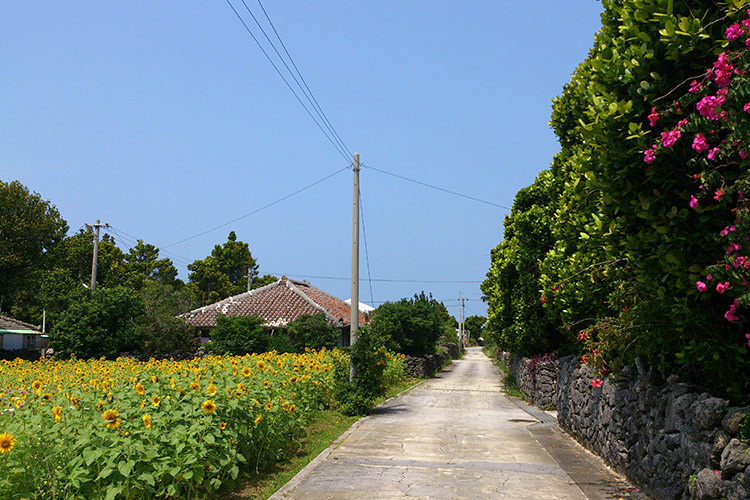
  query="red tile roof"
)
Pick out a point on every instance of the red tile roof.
point(278, 304)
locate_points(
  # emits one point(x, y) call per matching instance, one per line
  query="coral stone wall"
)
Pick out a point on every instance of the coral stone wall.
point(668, 437)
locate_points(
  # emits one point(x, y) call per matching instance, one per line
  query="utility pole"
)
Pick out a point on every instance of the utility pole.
point(95, 259)
point(355, 264)
point(249, 279)
point(461, 317)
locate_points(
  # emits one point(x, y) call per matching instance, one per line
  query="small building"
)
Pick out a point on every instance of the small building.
point(277, 304)
point(15, 334)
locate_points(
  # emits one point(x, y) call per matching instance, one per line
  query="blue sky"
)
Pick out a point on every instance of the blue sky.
point(164, 119)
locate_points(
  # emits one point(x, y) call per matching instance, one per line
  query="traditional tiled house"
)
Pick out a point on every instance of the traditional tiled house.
point(16, 334)
point(277, 304)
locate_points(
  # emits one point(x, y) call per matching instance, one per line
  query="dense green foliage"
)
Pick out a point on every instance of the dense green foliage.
point(225, 272)
point(239, 335)
point(376, 370)
point(606, 246)
point(410, 326)
point(30, 228)
point(98, 323)
point(474, 326)
point(312, 332)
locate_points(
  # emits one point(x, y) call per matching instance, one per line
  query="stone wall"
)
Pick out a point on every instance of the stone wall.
point(536, 377)
point(668, 437)
point(427, 366)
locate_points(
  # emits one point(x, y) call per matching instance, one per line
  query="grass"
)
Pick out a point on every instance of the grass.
point(508, 380)
point(325, 427)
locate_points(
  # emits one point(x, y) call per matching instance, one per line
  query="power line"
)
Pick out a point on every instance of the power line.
point(306, 89)
point(134, 240)
point(364, 235)
point(268, 205)
point(260, 46)
point(436, 187)
point(381, 280)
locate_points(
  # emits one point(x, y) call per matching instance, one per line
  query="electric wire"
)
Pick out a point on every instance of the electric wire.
point(134, 240)
point(250, 32)
point(377, 280)
point(364, 236)
point(306, 89)
point(436, 187)
point(309, 91)
point(267, 205)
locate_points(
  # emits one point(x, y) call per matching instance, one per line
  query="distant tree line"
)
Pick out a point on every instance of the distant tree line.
point(138, 294)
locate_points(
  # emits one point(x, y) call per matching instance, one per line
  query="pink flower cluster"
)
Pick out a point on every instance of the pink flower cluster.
point(653, 117)
point(597, 383)
point(700, 143)
point(731, 314)
point(722, 71)
point(707, 106)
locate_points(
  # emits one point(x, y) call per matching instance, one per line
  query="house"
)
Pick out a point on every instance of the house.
point(16, 334)
point(277, 304)
point(363, 308)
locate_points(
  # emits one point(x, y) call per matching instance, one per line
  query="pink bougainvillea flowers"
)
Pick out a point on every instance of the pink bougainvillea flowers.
point(649, 155)
point(693, 202)
point(700, 143)
point(747, 335)
point(701, 286)
point(668, 139)
point(597, 383)
point(722, 287)
point(653, 117)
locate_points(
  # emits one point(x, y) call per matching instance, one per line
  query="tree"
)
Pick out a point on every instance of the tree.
point(225, 272)
point(160, 330)
point(239, 335)
point(474, 326)
point(410, 326)
point(143, 266)
point(30, 229)
point(312, 332)
point(70, 272)
point(98, 323)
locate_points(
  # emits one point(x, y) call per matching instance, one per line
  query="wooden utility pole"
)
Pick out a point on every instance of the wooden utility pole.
point(354, 324)
point(95, 259)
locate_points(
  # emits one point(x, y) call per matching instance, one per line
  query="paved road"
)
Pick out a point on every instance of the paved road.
point(455, 436)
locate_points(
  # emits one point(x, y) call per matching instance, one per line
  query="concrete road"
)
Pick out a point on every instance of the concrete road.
point(455, 436)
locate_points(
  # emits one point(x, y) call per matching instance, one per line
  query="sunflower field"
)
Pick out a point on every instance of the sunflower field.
point(157, 429)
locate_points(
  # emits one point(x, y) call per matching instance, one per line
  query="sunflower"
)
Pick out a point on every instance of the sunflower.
point(140, 389)
point(211, 390)
point(156, 400)
point(269, 406)
point(57, 413)
point(194, 385)
point(209, 406)
point(258, 419)
point(36, 385)
point(112, 418)
point(147, 421)
point(223, 426)
point(246, 372)
point(7, 442)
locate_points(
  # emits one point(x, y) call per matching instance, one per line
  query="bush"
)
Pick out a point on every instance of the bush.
point(312, 332)
point(98, 323)
point(239, 335)
point(411, 327)
point(370, 358)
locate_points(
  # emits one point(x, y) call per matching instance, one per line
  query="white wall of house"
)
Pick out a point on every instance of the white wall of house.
point(12, 341)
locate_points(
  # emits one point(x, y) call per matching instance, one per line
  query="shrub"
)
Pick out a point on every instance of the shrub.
point(98, 323)
point(411, 327)
point(312, 332)
point(239, 335)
